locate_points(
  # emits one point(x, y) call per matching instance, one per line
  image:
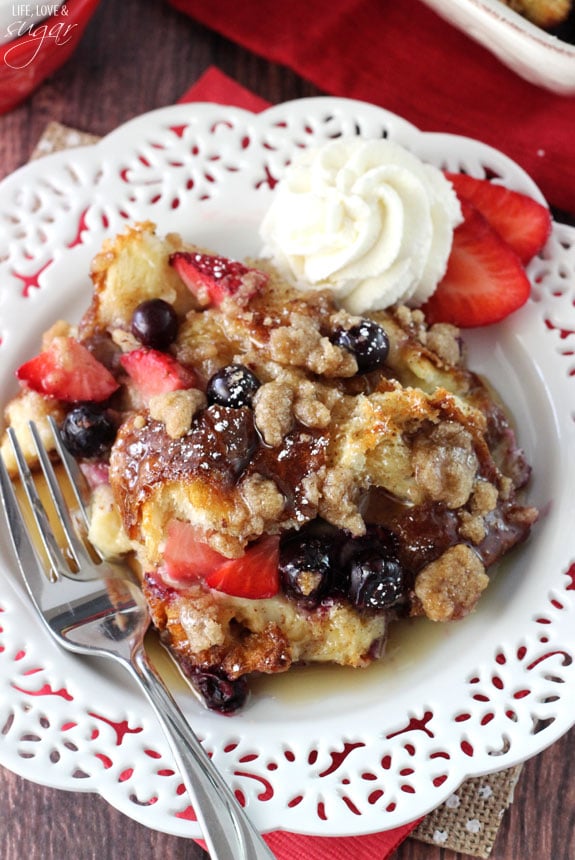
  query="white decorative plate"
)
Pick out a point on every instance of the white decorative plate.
point(327, 752)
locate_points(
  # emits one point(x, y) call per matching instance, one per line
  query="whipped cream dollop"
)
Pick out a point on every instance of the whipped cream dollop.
point(364, 218)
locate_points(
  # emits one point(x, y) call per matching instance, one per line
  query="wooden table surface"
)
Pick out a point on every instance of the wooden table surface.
point(138, 55)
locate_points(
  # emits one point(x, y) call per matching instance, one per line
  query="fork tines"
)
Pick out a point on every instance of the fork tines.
point(76, 552)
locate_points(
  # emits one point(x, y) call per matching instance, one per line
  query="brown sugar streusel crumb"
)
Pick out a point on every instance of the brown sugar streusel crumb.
point(449, 587)
point(176, 409)
point(273, 412)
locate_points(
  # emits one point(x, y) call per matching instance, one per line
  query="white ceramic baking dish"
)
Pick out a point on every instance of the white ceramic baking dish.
point(542, 58)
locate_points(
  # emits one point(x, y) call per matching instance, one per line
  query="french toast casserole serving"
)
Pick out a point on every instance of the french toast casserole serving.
point(289, 473)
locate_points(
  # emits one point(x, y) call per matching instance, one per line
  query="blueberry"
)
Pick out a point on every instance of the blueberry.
point(88, 431)
point(321, 561)
point(367, 341)
point(219, 692)
point(155, 324)
point(233, 386)
point(306, 566)
point(373, 575)
point(375, 582)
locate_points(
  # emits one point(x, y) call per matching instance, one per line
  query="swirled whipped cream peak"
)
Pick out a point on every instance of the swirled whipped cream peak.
point(365, 218)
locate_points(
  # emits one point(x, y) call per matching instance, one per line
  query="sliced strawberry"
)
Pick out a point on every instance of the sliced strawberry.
point(520, 221)
point(254, 575)
point(68, 371)
point(485, 280)
point(96, 472)
point(212, 279)
point(186, 557)
point(156, 372)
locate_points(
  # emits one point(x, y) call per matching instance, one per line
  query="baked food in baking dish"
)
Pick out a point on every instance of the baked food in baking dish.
point(545, 13)
point(289, 477)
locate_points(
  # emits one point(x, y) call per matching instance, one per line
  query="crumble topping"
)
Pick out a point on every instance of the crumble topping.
point(273, 411)
point(445, 463)
point(263, 497)
point(176, 409)
point(450, 587)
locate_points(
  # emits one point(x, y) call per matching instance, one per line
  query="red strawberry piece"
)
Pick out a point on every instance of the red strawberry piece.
point(485, 280)
point(96, 472)
point(254, 575)
point(155, 372)
point(520, 221)
point(212, 279)
point(68, 371)
point(186, 556)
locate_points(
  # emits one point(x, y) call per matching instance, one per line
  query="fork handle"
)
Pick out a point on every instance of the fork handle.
point(227, 830)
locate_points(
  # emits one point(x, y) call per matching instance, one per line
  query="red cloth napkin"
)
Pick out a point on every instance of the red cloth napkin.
point(214, 86)
point(404, 57)
point(292, 846)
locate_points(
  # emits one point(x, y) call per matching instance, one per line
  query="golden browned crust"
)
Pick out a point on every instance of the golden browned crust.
point(129, 269)
point(241, 637)
point(29, 406)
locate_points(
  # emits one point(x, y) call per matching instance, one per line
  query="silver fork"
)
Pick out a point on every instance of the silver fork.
point(99, 609)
